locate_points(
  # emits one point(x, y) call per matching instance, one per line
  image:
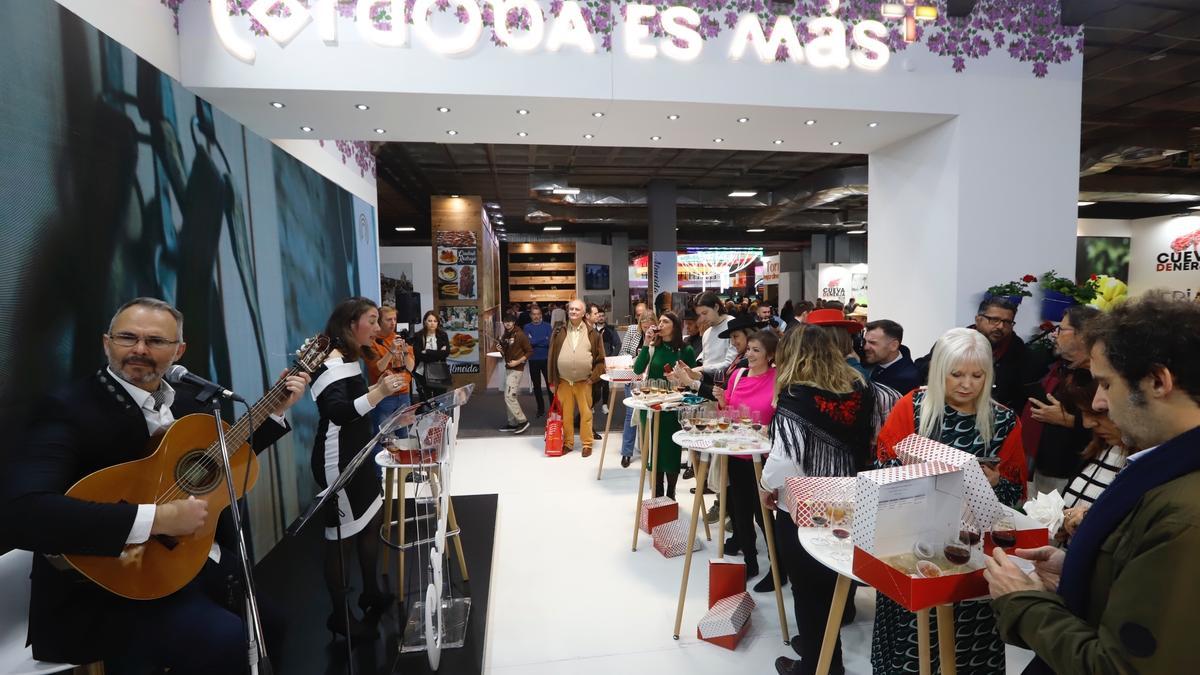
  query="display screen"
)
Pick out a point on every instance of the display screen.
point(595, 277)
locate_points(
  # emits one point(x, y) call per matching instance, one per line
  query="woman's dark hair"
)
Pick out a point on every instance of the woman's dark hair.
point(676, 342)
point(841, 338)
point(1076, 394)
point(425, 317)
point(339, 328)
point(1081, 316)
point(765, 338)
point(712, 300)
point(1152, 332)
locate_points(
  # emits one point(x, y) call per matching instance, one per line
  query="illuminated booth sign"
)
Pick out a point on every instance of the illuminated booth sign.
point(828, 47)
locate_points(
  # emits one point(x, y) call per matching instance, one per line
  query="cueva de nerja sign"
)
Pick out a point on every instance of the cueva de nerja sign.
point(522, 25)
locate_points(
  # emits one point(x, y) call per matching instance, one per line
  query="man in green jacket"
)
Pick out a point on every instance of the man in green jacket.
point(1125, 597)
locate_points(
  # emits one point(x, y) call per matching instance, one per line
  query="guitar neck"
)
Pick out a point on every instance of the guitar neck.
point(241, 430)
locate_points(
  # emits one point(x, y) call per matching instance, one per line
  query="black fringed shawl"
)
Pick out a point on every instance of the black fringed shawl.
point(834, 433)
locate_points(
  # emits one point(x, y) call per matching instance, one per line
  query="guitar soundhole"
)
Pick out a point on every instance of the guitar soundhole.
point(198, 473)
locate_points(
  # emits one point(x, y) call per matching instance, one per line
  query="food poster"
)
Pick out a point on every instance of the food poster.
point(456, 272)
point(462, 325)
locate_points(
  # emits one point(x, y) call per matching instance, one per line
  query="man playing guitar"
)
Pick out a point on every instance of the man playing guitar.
point(89, 425)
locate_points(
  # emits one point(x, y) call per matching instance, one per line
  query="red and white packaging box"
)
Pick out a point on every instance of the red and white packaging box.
point(726, 577)
point(1030, 533)
point(657, 511)
point(727, 621)
point(806, 494)
point(671, 539)
point(897, 507)
point(619, 368)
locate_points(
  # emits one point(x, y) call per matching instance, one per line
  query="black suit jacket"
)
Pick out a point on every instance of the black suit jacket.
point(86, 426)
point(902, 375)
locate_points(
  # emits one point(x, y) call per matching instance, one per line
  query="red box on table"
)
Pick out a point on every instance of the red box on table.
point(657, 511)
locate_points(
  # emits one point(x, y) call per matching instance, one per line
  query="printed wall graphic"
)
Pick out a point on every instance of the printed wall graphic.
point(842, 282)
point(1107, 256)
point(462, 325)
point(118, 182)
point(1165, 257)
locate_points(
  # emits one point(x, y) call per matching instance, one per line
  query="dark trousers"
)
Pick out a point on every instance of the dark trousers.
point(671, 479)
point(744, 509)
point(812, 592)
point(198, 629)
point(538, 374)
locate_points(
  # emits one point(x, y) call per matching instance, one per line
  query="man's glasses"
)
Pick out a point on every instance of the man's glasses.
point(1063, 329)
point(152, 341)
point(997, 321)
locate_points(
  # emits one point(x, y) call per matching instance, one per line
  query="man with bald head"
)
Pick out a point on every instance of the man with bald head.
point(576, 362)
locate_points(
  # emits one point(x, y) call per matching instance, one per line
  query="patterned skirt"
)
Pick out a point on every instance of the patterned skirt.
point(978, 648)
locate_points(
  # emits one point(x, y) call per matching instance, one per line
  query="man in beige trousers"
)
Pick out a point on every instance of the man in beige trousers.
point(576, 362)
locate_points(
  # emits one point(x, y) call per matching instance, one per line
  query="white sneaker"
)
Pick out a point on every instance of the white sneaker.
point(604, 409)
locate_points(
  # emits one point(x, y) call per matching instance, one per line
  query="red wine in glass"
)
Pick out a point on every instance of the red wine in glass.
point(1004, 538)
point(970, 537)
point(819, 520)
point(957, 554)
point(841, 532)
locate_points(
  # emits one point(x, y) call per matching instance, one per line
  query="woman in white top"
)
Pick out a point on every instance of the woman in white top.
point(718, 352)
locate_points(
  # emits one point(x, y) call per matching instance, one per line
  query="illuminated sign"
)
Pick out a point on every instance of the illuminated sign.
point(828, 47)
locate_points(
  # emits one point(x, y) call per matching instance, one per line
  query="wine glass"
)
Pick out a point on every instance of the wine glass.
point(957, 549)
point(1004, 534)
point(723, 418)
point(756, 422)
point(841, 516)
point(685, 420)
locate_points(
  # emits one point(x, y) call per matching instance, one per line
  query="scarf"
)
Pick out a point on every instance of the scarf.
point(834, 430)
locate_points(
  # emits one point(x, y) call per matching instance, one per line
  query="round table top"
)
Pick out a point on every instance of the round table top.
point(495, 355)
point(608, 378)
point(639, 404)
point(836, 554)
point(689, 441)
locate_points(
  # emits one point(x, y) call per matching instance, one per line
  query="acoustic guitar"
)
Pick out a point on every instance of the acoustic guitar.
point(186, 463)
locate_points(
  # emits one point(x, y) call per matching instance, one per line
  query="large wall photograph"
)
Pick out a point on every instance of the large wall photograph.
point(118, 182)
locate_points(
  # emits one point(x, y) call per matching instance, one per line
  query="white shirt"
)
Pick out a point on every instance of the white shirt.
point(779, 466)
point(884, 366)
point(717, 353)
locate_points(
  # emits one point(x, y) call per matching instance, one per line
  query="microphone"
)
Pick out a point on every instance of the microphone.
point(177, 374)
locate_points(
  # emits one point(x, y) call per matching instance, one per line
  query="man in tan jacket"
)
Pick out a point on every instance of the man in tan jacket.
point(576, 361)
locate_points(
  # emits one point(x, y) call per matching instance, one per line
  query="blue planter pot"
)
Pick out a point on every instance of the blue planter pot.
point(1055, 305)
point(1014, 299)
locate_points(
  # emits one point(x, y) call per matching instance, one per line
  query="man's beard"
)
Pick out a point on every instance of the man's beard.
point(137, 381)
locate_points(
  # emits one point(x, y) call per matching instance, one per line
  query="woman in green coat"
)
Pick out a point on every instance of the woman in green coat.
point(664, 346)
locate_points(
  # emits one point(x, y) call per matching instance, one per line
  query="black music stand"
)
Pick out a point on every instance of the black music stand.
point(401, 418)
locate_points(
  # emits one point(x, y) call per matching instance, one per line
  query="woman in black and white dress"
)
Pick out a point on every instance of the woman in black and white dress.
point(431, 345)
point(345, 402)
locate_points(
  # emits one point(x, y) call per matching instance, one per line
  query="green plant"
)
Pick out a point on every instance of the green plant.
point(1010, 288)
point(1082, 293)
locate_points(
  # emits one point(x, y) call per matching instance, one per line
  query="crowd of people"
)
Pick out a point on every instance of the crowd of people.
point(841, 392)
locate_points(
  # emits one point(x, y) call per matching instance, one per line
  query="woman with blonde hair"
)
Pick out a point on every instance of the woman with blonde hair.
point(956, 409)
point(823, 426)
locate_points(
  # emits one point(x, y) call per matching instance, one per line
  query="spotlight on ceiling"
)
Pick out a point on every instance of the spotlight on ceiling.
point(362, 106)
point(565, 191)
point(522, 134)
point(306, 129)
point(743, 193)
point(743, 120)
point(836, 143)
point(718, 140)
point(443, 109)
point(756, 230)
point(589, 136)
point(873, 124)
point(451, 132)
point(1084, 203)
point(381, 131)
point(406, 229)
point(856, 231)
point(778, 141)
point(672, 117)
point(656, 138)
point(551, 228)
point(522, 111)
point(277, 105)
point(809, 123)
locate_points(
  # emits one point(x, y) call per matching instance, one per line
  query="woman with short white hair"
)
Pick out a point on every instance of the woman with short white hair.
point(956, 409)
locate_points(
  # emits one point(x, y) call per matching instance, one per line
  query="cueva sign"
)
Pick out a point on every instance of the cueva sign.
point(828, 47)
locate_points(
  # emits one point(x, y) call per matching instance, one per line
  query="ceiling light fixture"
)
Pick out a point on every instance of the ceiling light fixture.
point(1084, 203)
point(672, 117)
point(454, 196)
point(756, 230)
point(522, 111)
point(277, 105)
point(873, 124)
point(743, 193)
point(656, 138)
point(551, 228)
point(809, 123)
point(443, 109)
point(836, 143)
point(856, 232)
point(451, 132)
point(743, 120)
point(597, 114)
point(1195, 208)
point(306, 129)
point(778, 141)
point(565, 191)
point(718, 140)
point(381, 131)
point(522, 134)
point(588, 136)
point(362, 106)
point(492, 205)
point(406, 229)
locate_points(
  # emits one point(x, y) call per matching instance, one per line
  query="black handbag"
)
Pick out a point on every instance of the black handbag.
point(437, 374)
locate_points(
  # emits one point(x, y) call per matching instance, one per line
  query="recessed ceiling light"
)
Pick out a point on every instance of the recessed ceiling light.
point(566, 191)
point(672, 117)
point(743, 120)
point(381, 131)
point(588, 136)
point(406, 229)
point(1084, 203)
point(873, 124)
point(362, 106)
point(718, 140)
point(809, 122)
point(277, 105)
point(597, 114)
point(522, 134)
point(778, 141)
point(454, 196)
point(656, 138)
point(743, 193)
point(306, 129)
point(836, 143)
point(443, 109)
point(756, 230)
point(522, 111)
point(551, 228)
point(856, 232)
point(451, 132)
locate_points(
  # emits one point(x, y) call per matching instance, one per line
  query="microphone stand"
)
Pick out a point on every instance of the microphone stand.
point(257, 657)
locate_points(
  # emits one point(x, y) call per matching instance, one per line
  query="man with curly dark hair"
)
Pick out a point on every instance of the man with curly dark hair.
point(1123, 598)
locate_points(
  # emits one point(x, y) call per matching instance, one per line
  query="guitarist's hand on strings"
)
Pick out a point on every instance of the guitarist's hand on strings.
point(180, 517)
point(295, 386)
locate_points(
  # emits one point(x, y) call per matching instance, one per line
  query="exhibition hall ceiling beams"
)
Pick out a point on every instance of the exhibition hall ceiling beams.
point(1141, 106)
point(792, 192)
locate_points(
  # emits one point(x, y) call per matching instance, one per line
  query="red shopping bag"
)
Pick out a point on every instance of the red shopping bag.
point(554, 429)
